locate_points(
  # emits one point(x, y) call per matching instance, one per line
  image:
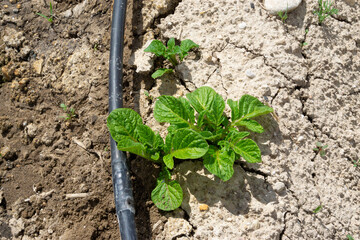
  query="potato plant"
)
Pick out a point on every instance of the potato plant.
point(209, 135)
point(172, 52)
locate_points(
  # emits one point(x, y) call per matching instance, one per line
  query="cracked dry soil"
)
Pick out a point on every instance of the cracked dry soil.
point(314, 90)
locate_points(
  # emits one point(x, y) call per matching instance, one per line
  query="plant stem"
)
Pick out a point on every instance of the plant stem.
point(173, 60)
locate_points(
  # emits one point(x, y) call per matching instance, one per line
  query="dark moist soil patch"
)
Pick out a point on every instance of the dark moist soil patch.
point(45, 157)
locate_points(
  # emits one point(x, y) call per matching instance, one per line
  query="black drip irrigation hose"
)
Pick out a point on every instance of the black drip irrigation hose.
point(124, 201)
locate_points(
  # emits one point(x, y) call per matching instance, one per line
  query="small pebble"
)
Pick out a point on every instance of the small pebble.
point(279, 187)
point(6, 6)
point(18, 6)
point(203, 207)
point(15, 10)
point(275, 6)
point(12, 1)
point(250, 74)
point(242, 25)
point(300, 138)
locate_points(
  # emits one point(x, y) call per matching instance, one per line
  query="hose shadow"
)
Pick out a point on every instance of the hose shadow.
point(144, 180)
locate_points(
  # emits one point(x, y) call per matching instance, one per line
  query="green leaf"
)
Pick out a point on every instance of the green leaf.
point(158, 142)
point(225, 121)
point(201, 117)
point(220, 162)
point(248, 149)
point(205, 98)
point(165, 174)
point(322, 153)
point(172, 110)
point(177, 50)
point(190, 110)
point(349, 237)
point(127, 144)
point(235, 111)
point(152, 142)
point(42, 15)
point(168, 141)
point(63, 106)
point(186, 144)
point(216, 136)
point(251, 125)
point(155, 156)
point(201, 99)
point(234, 136)
point(156, 47)
point(247, 107)
point(167, 196)
point(122, 122)
point(125, 125)
point(169, 161)
point(316, 210)
point(145, 135)
point(173, 127)
point(51, 9)
point(186, 46)
point(171, 44)
point(161, 71)
point(206, 134)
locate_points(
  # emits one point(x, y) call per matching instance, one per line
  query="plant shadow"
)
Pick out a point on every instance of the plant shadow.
point(234, 195)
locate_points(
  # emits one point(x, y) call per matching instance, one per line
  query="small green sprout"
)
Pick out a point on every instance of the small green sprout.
point(283, 15)
point(147, 94)
point(70, 113)
point(51, 17)
point(172, 52)
point(320, 148)
point(305, 43)
point(349, 237)
point(316, 210)
point(325, 10)
point(356, 163)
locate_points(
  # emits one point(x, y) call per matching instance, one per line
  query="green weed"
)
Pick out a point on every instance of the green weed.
point(51, 17)
point(70, 113)
point(320, 148)
point(356, 163)
point(316, 210)
point(148, 96)
point(325, 10)
point(349, 237)
point(305, 43)
point(283, 15)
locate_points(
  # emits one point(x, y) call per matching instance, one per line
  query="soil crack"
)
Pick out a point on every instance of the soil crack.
point(264, 60)
point(252, 170)
point(282, 234)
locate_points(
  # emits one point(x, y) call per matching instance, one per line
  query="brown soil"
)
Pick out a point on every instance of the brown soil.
point(45, 157)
